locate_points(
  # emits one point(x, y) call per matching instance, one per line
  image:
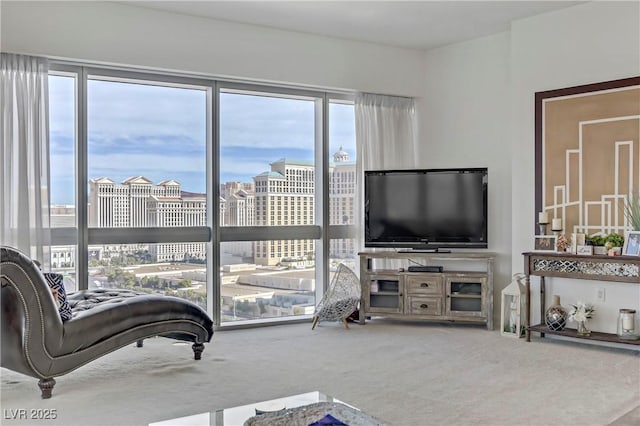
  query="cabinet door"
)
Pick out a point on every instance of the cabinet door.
point(383, 294)
point(466, 295)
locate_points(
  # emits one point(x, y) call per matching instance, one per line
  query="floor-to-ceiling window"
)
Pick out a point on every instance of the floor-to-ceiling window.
point(147, 168)
point(269, 173)
point(160, 180)
point(129, 160)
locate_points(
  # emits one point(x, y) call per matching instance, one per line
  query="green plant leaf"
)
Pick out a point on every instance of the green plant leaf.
point(597, 240)
point(632, 210)
point(616, 240)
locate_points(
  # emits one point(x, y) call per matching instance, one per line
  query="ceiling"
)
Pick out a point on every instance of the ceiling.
point(409, 24)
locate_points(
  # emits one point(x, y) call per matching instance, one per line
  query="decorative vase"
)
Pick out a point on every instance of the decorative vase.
point(601, 250)
point(582, 329)
point(556, 316)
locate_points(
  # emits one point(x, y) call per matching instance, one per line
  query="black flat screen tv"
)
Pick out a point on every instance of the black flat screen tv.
point(426, 209)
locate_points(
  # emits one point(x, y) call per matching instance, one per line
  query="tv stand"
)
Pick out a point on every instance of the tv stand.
point(448, 296)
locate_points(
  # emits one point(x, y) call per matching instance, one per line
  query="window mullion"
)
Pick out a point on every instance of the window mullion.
point(82, 216)
point(213, 194)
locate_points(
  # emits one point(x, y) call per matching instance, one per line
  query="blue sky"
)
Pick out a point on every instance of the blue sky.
point(160, 133)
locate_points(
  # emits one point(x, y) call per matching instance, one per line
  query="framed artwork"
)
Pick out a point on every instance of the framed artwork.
point(632, 244)
point(545, 243)
point(586, 154)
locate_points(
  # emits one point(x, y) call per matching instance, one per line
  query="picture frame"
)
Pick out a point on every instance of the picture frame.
point(631, 244)
point(573, 126)
point(584, 250)
point(577, 239)
point(545, 243)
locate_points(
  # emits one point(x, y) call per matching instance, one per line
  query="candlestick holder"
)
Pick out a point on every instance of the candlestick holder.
point(543, 228)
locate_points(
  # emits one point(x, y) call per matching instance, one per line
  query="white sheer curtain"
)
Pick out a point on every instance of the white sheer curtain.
point(385, 132)
point(386, 138)
point(24, 153)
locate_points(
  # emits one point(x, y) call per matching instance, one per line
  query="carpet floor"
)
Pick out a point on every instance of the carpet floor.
point(402, 373)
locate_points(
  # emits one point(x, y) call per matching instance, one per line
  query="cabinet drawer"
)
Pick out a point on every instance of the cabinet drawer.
point(423, 284)
point(425, 306)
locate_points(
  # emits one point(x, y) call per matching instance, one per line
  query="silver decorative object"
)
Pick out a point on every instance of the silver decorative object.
point(543, 228)
point(556, 316)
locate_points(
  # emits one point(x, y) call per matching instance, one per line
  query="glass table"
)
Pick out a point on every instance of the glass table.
point(236, 416)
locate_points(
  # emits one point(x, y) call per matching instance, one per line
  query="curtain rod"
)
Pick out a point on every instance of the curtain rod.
point(200, 75)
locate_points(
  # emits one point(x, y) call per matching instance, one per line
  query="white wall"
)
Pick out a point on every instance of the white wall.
point(588, 43)
point(462, 124)
point(120, 34)
point(478, 110)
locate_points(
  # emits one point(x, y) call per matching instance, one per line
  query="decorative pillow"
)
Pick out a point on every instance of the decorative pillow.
point(56, 284)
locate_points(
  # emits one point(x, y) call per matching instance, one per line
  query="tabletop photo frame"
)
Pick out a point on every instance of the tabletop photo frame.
point(631, 244)
point(545, 243)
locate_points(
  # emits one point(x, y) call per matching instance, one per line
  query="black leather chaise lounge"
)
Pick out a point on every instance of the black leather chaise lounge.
point(37, 342)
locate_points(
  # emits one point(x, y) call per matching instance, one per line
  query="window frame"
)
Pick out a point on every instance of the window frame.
point(285, 232)
point(213, 234)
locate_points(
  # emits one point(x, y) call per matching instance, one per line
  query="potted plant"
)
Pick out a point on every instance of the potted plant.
point(597, 241)
point(602, 244)
point(614, 243)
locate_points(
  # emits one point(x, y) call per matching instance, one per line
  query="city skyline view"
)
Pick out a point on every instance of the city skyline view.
point(160, 132)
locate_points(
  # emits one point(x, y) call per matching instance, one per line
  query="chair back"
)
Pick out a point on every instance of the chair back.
point(345, 282)
point(29, 318)
point(342, 296)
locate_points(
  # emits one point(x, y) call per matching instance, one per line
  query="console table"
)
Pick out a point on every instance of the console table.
point(564, 265)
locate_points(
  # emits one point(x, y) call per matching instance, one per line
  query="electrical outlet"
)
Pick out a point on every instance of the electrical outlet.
point(600, 294)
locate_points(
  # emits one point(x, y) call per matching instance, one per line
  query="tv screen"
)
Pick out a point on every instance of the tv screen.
point(426, 209)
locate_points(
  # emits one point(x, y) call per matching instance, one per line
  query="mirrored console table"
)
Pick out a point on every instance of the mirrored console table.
point(565, 265)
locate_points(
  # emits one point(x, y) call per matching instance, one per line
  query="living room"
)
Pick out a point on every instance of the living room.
point(474, 108)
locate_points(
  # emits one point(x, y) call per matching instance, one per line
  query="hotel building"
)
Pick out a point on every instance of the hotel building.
point(280, 197)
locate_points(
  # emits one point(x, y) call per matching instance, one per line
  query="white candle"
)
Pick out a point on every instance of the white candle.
point(543, 217)
point(556, 224)
point(627, 324)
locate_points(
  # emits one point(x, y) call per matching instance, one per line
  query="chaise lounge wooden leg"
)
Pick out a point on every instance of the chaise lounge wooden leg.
point(139, 343)
point(197, 350)
point(46, 387)
point(316, 320)
point(344, 321)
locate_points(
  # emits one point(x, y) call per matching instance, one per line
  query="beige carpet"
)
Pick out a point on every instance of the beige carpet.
point(402, 373)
